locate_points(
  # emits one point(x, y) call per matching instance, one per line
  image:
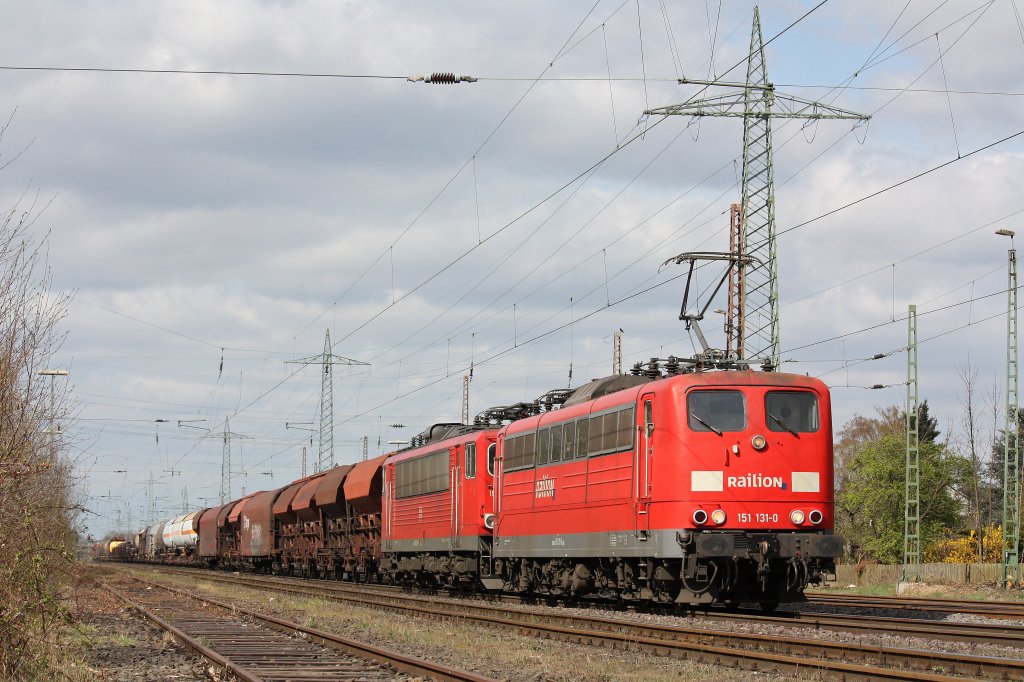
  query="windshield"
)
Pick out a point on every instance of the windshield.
point(716, 411)
point(793, 411)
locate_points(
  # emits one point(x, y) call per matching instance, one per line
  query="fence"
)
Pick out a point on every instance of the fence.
point(944, 574)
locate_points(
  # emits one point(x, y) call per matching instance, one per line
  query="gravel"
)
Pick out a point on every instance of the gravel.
point(527, 659)
point(121, 646)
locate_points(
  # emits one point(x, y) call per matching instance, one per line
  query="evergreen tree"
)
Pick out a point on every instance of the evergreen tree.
point(927, 426)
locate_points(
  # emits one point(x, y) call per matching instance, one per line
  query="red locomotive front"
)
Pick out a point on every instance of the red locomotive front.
point(700, 487)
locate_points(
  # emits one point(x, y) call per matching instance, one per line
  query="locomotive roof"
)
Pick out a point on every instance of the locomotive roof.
point(603, 386)
point(468, 435)
point(608, 391)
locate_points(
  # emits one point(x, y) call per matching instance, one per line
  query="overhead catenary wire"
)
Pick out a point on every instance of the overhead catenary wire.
point(609, 301)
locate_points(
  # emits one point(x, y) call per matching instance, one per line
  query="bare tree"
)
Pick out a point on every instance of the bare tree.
point(37, 514)
point(970, 422)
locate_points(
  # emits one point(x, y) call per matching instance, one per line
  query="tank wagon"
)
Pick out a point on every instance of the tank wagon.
point(671, 484)
point(114, 549)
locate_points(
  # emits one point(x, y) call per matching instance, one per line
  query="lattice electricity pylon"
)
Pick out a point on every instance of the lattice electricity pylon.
point(757, 103)
point(912, 499)
point(325, 459)
point(1011, 451)
point(225, 459)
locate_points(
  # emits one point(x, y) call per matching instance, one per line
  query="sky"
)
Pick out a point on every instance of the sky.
point(211, 228)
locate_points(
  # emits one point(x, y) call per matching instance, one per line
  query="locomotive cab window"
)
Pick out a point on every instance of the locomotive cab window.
point(718, 411)
point(470, 460)
point(492, 451)
point(792, 411)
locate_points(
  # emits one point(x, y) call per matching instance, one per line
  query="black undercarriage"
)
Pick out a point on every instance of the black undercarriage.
point(714, 568)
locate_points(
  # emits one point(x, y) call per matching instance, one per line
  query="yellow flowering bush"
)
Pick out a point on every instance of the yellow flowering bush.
point(965, 550)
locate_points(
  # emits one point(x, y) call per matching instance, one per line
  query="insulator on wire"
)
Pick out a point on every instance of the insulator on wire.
point(874, 387)
point(447, 78)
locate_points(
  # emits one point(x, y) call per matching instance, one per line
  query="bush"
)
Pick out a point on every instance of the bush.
point(965, 550)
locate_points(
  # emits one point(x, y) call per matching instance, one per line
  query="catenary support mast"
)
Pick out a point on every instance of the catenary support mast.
point(1011, 450)
point(912, 499)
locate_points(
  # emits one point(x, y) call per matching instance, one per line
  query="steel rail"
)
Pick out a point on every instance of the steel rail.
point(737, 649)
point(982, 633)
point(362, 650)
point(186, 639)
point(992, 609)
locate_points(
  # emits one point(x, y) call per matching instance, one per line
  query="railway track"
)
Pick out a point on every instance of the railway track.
point(800, 655)
point(981, 633)
point(990, 609)
point(257, 648)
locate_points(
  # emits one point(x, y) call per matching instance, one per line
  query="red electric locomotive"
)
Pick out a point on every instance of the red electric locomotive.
point(701, 487)
point(438, 503)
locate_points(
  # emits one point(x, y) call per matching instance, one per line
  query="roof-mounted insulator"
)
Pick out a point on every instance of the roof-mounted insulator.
point(672, 366)
point(442, 78)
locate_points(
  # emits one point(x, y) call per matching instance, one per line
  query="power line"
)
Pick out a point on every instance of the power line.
point(903, 182)
point(202, 72)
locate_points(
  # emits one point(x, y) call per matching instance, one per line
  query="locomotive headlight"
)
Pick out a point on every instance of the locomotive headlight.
point(759, 442)
point(700, 517)
point(815, 517)
point(718, 516)
point(489, 521)
point(797, 517)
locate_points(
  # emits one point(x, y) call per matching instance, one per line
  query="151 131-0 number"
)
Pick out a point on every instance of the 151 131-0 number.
point(744, 517)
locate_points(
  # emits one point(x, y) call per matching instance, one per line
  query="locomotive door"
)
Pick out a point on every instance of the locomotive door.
point(642, 471)
point(387, 525)
point(456, 490)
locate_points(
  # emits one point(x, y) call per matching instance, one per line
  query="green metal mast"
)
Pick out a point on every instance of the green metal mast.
point(1011, 451)
point(912, 508)
point(757, 103)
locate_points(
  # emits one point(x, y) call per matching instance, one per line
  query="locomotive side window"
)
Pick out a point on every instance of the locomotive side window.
point(543, 446)
point(470, 460)
point(529, 450)
point(582, 436)
point(594, 438)
point(568, 441)
point(624, 429)
point(519, 451)
point(426, 474)
point(611, 431)
point(718, 411)
point(492, 451)
point(793, 411)
point(556, 444)
point(513, 451)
